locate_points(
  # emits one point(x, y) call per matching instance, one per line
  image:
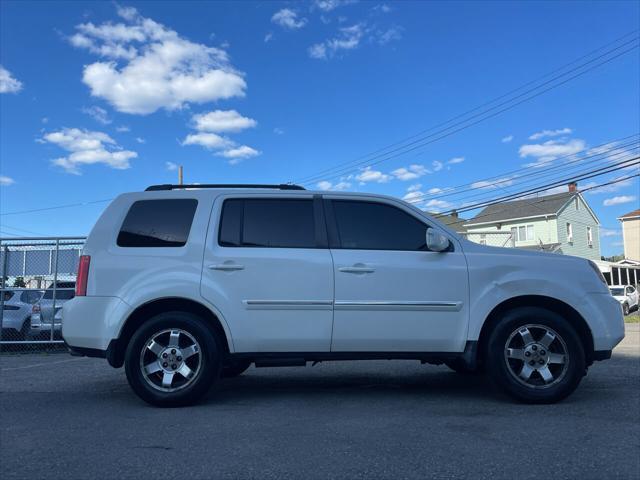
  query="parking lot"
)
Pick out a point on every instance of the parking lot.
point(66, 417)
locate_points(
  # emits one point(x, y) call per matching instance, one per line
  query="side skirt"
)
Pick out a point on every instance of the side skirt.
point(293, 359)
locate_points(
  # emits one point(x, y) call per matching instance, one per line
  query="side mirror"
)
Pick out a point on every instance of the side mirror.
point(436, 242)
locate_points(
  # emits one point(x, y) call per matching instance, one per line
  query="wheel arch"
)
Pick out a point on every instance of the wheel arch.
point(540, 301)
point(117, 348)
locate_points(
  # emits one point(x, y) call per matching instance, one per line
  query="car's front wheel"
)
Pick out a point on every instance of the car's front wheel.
point(172, 359)
point(535, 355)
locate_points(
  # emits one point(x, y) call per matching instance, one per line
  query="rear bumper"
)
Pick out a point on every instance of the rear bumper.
point(91, 323)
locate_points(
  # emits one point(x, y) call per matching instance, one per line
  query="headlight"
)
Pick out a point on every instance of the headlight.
point(598, 272)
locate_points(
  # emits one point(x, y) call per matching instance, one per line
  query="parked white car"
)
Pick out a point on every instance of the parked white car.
point(627, 296)
point(183, 284)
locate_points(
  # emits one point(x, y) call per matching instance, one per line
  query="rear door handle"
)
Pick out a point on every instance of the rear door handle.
point(226, 267)
point(356, 269)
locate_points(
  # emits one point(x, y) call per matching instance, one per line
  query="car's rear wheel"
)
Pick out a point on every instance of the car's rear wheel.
point(535, 355)
point(172, 359)
point(235, 368)
point(625, 309)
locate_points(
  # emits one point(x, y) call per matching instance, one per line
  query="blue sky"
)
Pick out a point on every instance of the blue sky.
point(100, 98)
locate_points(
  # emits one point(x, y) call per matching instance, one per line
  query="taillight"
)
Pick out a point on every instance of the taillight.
point(83, 275)
point(35, 308)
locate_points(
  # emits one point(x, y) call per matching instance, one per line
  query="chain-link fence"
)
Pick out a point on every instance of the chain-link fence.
point(37, 276)
point(491, 237)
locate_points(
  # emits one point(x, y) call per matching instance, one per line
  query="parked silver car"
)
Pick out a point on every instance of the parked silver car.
point(43, 312)
point(16, 313)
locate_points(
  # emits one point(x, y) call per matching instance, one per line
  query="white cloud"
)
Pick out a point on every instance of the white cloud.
point(456, 160)
point(550, 150)
point(507, 139)
point(278, 131)
point(6, 181)
point(210, 141)
point(383, 8)
point(140, 140)
point(606, 232)
point(288, 18)
point(437, 205)
point(86, 148)
point(414, 188)
point(149, 66)
point(550, 133)
point(500, 182)
point(413, 196)
point(123, 128)
point(348, 38)
point(8, 84)
point(99, 114)
point(369, 175)
point(389, 35)
point(268, 37)
point(329, 5)
point(410, 173)
point(318, 50)
point(237, 154)
point(222, 121)
point(437, 165)
point(324, 185)
point(609, 202)
point(171, 166)
point(128, 13)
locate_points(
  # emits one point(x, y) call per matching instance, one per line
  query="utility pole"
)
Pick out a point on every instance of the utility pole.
point(180, 175)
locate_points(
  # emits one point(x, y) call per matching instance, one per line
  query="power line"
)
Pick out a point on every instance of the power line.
point(537, 201)
point(416, 144)
point(70, 205)
point(538, 169)
point(422, 132)
point(585, 176)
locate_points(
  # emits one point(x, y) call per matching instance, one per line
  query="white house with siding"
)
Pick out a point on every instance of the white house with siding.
point(561, 223)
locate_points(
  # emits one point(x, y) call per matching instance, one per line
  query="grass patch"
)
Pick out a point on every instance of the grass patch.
point(632, 317)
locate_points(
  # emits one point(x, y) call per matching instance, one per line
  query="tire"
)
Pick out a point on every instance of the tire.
point(25, 330)
point(182, 358)
point(625, 309)
point(532, 334)
point(235, 369)
point(460, 366)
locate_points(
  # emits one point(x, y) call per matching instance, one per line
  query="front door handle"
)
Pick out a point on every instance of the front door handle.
point(226, 267)
point(356, 269)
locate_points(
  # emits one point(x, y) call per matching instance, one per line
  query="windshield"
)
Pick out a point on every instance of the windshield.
point(64, 291)
point(617, 292)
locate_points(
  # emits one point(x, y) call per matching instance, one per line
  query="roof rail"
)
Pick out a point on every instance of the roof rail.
point(169, 186)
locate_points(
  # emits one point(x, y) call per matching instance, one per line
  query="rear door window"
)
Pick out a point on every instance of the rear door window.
point(268, 223)
point(158, 223)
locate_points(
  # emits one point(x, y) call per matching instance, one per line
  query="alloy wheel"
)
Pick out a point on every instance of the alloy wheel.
point(536, 356)
point(170, 360)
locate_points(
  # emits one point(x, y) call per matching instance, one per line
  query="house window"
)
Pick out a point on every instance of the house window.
point(523, 233)
point(590, 236)
point(483, 239)
point(569, 233)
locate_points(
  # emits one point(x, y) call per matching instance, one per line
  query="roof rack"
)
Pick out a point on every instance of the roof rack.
point(169, 186)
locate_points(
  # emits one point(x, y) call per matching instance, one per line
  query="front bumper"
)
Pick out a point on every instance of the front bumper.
point(606, 321)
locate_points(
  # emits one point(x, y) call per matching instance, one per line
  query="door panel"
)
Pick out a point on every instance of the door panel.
point(397, 299)
point(273, 299)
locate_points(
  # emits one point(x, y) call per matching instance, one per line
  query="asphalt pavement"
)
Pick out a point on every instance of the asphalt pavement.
point(76, 418)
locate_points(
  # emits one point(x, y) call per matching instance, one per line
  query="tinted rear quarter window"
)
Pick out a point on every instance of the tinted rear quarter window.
point(377, 226)
point(274, 223)
point(158, 223)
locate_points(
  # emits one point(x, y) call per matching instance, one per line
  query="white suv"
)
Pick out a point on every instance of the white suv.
point(184, 284)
